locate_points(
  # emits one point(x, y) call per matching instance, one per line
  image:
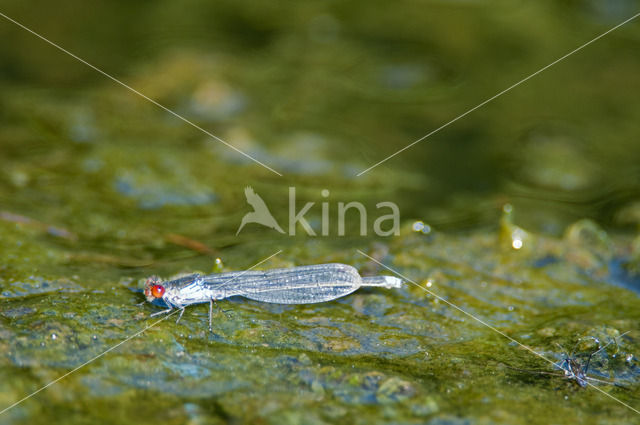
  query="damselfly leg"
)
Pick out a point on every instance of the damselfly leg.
point(158, 313)
point(180, 315)
point(211, 303)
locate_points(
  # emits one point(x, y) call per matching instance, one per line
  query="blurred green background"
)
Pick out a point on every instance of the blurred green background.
point(100, 188)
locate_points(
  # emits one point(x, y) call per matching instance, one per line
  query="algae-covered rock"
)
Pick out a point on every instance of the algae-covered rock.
point(517, 238)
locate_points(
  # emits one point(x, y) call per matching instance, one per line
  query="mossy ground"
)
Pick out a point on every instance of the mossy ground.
point(532, 204)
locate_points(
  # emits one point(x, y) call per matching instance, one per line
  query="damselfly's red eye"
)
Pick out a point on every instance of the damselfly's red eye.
point(157, 291)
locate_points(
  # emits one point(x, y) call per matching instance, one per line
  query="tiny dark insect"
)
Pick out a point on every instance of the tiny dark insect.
point(575, 369)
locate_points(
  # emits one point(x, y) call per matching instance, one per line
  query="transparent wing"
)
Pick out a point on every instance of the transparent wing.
point(296, 285)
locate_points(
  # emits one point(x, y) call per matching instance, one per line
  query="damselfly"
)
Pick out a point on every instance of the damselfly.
point(295, 285)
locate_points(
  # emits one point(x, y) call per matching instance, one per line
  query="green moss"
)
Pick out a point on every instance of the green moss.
point(100, 190)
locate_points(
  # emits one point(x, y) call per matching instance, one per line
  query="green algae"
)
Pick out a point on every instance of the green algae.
point(536, 236)
point(401, 355)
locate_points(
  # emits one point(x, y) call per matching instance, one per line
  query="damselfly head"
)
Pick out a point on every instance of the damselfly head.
point(153, 289)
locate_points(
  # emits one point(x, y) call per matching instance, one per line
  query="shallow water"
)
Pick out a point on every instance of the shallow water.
point(523, 214)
